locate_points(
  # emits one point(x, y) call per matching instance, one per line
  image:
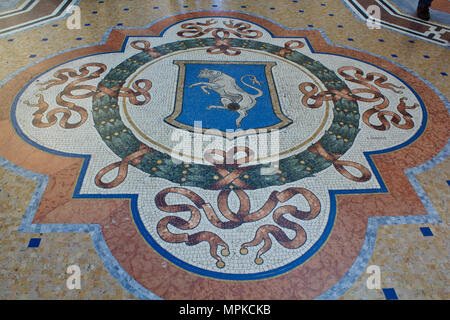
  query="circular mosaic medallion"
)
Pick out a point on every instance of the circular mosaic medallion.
point(174, 69)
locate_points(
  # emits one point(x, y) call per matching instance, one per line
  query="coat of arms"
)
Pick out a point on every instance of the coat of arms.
point(227, 96)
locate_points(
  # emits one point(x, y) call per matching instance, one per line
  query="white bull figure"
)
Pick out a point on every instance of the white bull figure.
point(231, 95)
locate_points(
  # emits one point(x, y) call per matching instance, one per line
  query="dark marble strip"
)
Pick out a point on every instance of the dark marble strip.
point(42, 12)
point(405, 24)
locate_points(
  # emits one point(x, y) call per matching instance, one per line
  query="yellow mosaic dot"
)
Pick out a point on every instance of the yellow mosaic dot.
point(116, 134)
point(225, 252)
point(159, 161)
point(259, 261)
point(283, 179)
point(345, 140)
point(345, 110)
point(338, 136)
point(220, 264)
point(102, 122)
point(243, 251)
point(124, 130)
point(246, 176)
point(186, 166)
point(216, 177)
point(153, 169)
point(279, 172)
point(112, 120)
point(302, 162)
point(183, 179)
point(330, 132)
point(96, 108)
point(184, 171)
point(350, 125)
point(341, 123)
point(231, 187)
point(107, 137)
point(114, 105)
point(308, 169)
point(105, 107)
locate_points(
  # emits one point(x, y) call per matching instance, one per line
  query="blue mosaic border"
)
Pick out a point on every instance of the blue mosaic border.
point(143, 293)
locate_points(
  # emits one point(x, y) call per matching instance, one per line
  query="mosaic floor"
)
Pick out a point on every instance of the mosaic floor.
point(224, 150)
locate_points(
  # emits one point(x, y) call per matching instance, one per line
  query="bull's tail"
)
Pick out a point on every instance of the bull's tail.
point(254, 81)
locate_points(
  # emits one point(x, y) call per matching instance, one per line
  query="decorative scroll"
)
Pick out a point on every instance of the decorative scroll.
point(163, 231)
point(241, 29)
point(146, 48)
point(119, 91)
point(311, 92)
point(395, 118)
point(289, 46)
point(62, 76)
point(220, 34)
point(339, 165)
point(262, 234)
point(229, 161)
point(134, 158)
point(50, 116)
point(235, 219)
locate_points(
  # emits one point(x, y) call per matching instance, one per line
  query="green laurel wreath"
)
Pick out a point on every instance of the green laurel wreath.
point(337, 139)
